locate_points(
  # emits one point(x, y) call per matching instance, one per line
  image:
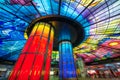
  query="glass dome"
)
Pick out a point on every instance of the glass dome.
point(100, 20)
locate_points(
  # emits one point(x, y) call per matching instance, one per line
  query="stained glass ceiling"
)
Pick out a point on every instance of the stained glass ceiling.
point(99, 18)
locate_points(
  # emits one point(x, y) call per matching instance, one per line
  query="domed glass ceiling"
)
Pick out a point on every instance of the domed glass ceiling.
point(99, 18)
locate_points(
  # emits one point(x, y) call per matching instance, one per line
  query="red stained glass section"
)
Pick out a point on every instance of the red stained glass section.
point(16, 67)
point(26, 67)
point(31, 62)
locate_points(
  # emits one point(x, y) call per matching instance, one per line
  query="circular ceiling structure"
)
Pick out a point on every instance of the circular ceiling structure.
point(99, 19)
point(76, 30)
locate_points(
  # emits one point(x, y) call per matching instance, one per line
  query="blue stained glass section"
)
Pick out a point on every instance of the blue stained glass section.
point(14, 55)
point(80, 18)
point(63, 9)
point(12, 47)
point(47, 6)
point(67, 66)
point(64, 33)
point(55, 6)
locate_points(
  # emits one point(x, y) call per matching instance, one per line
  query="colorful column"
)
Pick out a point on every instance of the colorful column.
point(66, 59)
point(34, 61)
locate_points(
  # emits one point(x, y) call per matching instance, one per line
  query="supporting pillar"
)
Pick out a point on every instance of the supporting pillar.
point(81, 68)
point(34, 61)
point(66, 61)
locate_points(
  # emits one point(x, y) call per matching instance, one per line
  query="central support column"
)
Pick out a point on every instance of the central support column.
point(34, 61)
point(66, 61)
